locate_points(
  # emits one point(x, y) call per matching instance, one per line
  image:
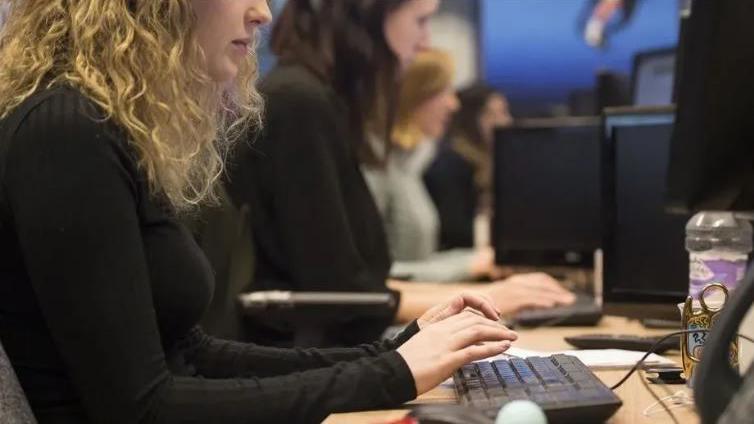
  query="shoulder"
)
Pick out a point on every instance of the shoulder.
point(59, 104)
point(295, 86)
point(447, 156)
point(63, 113)
point(302, 115)
point(448, 167)
point(62, 128)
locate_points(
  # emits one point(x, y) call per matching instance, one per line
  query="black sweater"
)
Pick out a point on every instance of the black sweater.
point(315, 224)
point(101, 290)
point(450, 182)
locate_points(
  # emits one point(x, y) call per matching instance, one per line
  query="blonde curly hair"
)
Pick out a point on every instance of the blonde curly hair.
point(138, 61)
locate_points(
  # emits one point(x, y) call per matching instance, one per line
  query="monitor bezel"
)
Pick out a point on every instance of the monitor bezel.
point(543, 256)
point(621, 302)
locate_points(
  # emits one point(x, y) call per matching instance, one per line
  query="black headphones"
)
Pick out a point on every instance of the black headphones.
point(716, 383)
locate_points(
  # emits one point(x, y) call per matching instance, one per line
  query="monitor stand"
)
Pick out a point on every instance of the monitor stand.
point(661, 323)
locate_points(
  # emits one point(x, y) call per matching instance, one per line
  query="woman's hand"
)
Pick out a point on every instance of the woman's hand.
point(483, 262)
point(483, 265)
point(478, 301)
point(434, 353)
point(526, 291)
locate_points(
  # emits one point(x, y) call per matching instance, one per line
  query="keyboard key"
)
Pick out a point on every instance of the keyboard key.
point(547, 371)
point(525, 373)
point(492, 384)
point(579, 376)
point(510, 378)
point(488, 375)
point(468, 371)
point(474, 384)
point(561, 359)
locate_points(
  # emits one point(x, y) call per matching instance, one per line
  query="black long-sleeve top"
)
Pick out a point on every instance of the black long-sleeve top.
point(101, 290)
point(315, 224)
point(450, 183)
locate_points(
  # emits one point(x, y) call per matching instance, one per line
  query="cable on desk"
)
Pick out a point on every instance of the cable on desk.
point(678, 399)
point(657, 398)
point(657, 344)
point(660, 401)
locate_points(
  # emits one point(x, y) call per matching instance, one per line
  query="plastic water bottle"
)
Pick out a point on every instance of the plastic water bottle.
point(718, 244)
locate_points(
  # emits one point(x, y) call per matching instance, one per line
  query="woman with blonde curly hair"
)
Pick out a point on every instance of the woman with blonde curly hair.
point(115, 116)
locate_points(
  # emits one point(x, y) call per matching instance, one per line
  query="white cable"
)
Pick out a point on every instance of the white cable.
point(678, 399)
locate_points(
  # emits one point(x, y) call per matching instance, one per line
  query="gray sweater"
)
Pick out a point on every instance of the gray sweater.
point(411, 220)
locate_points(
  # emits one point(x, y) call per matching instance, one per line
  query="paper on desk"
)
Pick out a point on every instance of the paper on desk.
point(596, 359)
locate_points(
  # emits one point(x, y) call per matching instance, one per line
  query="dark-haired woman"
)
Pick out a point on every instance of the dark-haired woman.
point(459, 180)
point(316, 226)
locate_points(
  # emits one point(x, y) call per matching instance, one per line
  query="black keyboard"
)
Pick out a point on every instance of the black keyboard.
point(624, 341)
point(565, 389)
point(583, 312)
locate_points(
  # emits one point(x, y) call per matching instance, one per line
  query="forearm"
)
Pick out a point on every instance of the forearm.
point(217, 358)
point(384, 381)
point(418, 297)
point(441, 267)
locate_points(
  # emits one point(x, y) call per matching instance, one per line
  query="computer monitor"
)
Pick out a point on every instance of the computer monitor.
point(652, 78)
point(712, 167)
point(546, 192)
point(712, 154)
point(612, 90)
point(582, 102)
point(645, 264)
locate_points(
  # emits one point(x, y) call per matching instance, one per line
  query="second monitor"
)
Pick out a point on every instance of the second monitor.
point(547, 192)
point(645, 265)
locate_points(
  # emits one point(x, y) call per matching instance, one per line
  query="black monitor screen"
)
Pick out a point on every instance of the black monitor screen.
point(645, 260)
point(653, 77)
point(713, 142)
point(547, 194)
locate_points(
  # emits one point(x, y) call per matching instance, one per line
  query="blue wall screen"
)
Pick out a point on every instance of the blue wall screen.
point(535, 52)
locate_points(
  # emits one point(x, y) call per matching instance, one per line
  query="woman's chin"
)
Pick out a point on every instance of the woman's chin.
point(224, 74)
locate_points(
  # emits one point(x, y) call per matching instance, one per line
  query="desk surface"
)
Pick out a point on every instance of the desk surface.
point(633, 394)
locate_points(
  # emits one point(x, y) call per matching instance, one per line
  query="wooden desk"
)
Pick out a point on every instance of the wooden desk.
point(633, 394)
